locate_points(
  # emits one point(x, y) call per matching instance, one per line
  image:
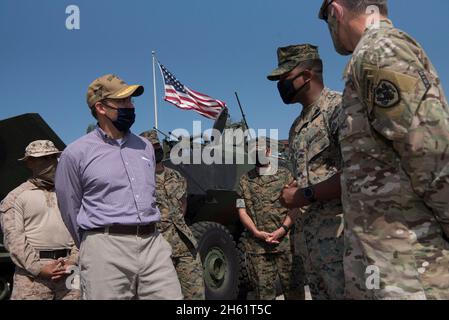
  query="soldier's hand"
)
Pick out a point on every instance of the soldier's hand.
point(52, 269)
point(290, 197)
point(262, 235)
point(293, 184)
point(275, 237)
point(65, 265)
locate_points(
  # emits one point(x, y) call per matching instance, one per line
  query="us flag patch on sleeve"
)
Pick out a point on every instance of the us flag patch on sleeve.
point(240, 204)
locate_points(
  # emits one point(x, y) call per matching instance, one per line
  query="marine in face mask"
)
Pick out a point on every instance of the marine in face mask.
point(41, 157)
point(171, 197)
point(314, 150)
point(299, 74)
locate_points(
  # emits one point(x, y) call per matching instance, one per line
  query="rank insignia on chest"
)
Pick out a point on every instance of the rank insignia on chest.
point(386, 95)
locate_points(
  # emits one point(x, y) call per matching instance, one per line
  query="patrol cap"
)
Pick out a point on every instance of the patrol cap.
point(40, 148)
point(151, 136)
point(111, 86)
point(290, 57)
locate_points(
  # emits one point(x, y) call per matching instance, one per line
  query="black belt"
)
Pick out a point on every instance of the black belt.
point(128, 230)
point(54, 254)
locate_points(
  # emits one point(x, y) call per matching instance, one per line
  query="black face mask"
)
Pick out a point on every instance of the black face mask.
point(287, 89)
point(125, 119)
point(159, 155)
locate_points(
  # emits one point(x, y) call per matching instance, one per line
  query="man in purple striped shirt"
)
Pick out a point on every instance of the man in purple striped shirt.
point(105, 184)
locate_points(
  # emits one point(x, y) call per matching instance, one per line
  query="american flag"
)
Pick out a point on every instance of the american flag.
point(187, 99)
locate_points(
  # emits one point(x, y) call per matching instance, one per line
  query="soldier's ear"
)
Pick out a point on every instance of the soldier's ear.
point(336, 10)
point(100, 109)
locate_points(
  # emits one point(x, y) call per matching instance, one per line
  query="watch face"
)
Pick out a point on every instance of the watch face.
point(308, 193)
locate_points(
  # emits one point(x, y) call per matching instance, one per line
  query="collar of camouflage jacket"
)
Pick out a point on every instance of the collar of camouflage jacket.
point(312, 111)
point(384, 24)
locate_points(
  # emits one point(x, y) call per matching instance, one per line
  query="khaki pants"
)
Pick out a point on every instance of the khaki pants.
point(123, 267)
point(26, 287)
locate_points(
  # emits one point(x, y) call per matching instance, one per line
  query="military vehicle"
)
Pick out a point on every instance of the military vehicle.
point(15, 134)
point(213, 217)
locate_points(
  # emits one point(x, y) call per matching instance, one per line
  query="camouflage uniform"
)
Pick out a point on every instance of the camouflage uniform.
point(170, 189)
point(260, 197)
point(15, 225)
point(314, 151)
point(316, 158)
point(395, 147)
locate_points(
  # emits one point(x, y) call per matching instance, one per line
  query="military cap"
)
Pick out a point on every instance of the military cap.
point(151, 136)
point(40, 148)
point(290, 57)
point(111, 86)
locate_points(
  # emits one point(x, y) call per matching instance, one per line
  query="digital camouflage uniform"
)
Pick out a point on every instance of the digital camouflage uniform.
point(27, 284)
point(171, 187)
point(395, 147)
point(314, 151)
point(316, 158)
point(260, 197)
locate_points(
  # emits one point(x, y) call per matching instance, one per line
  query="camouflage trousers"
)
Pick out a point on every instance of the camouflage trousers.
point(190, 275)
point(321, 246)
point(29, 288)
point(263, 270)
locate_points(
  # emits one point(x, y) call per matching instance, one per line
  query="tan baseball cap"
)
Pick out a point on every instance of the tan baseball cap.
point(40, 148)
point(111, 86)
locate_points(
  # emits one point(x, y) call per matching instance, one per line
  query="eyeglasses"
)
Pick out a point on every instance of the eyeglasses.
point(121, 102)
point(325, 13)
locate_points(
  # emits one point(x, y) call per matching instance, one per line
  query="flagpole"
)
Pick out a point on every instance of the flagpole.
point(154, 88)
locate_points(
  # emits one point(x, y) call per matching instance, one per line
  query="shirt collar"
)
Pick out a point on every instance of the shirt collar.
point(384, 24)
point(307, 110)
point(103, 135)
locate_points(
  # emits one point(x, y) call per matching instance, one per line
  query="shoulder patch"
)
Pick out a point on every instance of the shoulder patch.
point(386, 94)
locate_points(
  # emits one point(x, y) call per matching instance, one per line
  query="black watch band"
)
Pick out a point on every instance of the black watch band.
point(287, 229)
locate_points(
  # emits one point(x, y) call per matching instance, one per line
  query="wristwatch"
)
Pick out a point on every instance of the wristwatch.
point(287, 229)
point(309, 194)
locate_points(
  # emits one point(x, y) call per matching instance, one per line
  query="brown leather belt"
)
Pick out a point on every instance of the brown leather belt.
point(54, 254)
point(128, 230)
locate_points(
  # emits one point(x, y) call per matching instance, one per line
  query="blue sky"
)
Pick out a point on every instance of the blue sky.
point(215, 47)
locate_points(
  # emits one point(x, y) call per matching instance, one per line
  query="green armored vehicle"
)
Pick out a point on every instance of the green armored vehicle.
point(15, 134)
point(213, 217)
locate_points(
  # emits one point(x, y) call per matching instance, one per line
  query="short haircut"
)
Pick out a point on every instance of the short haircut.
point(315, 65)
point(359, 6)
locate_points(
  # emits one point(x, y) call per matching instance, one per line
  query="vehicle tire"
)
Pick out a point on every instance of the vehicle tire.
point(219, 256)
point(245, 283)
point(5, 289)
